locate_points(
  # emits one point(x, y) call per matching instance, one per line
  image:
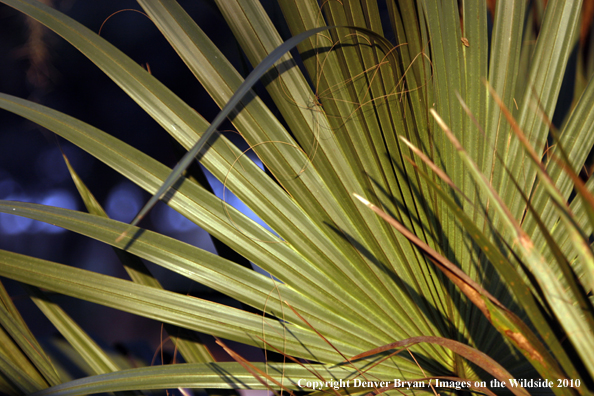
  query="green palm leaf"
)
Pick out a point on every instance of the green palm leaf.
point(491, 250)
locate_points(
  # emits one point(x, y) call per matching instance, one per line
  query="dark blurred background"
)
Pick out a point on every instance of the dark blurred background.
point(40, 66)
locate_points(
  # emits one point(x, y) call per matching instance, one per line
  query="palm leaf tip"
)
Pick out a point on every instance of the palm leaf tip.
point(363, 200)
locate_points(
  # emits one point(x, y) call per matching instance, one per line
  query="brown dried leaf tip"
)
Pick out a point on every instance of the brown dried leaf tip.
point(524, 344)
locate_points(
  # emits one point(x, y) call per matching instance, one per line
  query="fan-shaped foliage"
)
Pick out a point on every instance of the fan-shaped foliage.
point(412, 193)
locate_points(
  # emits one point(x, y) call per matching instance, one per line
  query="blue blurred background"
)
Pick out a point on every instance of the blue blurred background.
point(38, 65)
